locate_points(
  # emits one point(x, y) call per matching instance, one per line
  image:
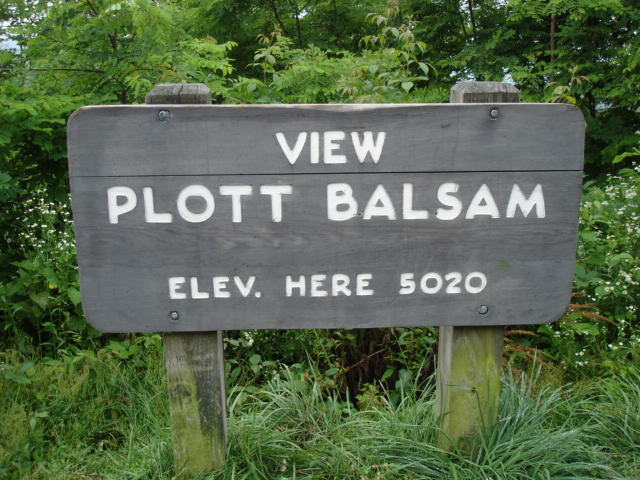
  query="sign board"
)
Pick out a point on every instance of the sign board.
point(207, 217)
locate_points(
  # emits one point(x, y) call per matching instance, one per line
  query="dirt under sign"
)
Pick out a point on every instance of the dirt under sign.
point(206, 217)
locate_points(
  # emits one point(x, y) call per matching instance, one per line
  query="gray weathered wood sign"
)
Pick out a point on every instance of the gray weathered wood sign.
point(206, 217)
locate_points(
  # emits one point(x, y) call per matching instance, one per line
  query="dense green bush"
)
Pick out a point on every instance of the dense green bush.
point(602, 326)
point(41, 303)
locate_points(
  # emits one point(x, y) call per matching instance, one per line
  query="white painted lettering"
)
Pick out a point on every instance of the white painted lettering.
point(517, 199)
point(236, 192)
point(444, 197)
point(244, 288)
point(368, 146)
point(454, 278)
point(195, 292)
point(115, 209)
point(150, 215)
point(362, 284)
point(220, 287)
point(331, 144)
point(432, 283)
point(340, 194)
point(475, 288)
point(196, 191)
point(408, 213)
point(276, 192)
point(339, 285)
point(300, 284)
point(482, 204)
point(314, 147)
point(379, 205)
point(292, 154)
point(331, 140)
point(317, 282)
point(175, 283)
point(424, 283)
point(407, 284)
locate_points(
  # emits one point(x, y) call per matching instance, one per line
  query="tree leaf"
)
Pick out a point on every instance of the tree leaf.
point(407, 86)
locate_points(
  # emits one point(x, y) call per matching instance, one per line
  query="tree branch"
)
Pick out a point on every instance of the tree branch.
point(112, 37)
point(275, 13)
point(552, 44)
point(58, 69)
point(92, 8)
point(472, 19)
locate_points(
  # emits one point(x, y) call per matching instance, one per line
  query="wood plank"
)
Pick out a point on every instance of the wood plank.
point(179, 93)
point(197, 401)
point(468, 384)
point(194, 362)
point(516, 254)
point(229, 140)
point(469, 363)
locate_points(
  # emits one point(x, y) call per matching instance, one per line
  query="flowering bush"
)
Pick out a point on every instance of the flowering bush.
point(603, 322)
point(610, 248)
point(41, 299)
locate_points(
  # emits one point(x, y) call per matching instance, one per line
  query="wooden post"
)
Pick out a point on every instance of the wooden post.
point(470, 358)
point(194, 361)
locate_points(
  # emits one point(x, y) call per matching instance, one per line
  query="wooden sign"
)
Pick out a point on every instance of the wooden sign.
point(206, 217)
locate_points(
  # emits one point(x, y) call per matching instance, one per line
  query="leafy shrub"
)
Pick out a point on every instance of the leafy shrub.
point(601, 327)
point(41, 301)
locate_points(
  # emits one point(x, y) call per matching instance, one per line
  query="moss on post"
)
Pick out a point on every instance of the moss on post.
point(195, 379)
point(194, 361)
point(468, 388)
point(470, 358)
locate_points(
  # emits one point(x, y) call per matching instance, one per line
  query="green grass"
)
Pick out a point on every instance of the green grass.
point(105, 418)
point(83, 418)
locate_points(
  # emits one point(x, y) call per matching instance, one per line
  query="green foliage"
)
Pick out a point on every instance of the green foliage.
point(113, 50)
point(581, 42)
point(41, 301)
point(610, 247)
point(84, 416)
point(32, 141)
point(99, 416)
point(614, 406)
point(329, 25)
point(539, 42)
point(347, 363)
point(293, 430)
point(290, 75)
point(390, 69)
point(599, 333)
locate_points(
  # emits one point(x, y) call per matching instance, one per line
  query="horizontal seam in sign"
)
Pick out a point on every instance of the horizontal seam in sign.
point(281, 174)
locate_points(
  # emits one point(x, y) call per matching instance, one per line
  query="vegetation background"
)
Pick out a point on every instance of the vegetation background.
point(358, 404)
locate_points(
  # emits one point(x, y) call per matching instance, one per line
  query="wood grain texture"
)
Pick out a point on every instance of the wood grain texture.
point(124, 268)
point(194, 363)
point(240, 140)
point(484, 92)
point(197, 401)
point(222, 147)
point(469, 363)
point(179, 93)
point(468, 383)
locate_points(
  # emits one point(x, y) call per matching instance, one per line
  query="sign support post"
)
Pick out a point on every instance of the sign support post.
point(470, 358)
point(194, 360)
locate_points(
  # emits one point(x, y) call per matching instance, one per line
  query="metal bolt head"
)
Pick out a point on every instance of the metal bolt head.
point(494, 113)
point(164, 115)
point(174, 316)
point(483, 309)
